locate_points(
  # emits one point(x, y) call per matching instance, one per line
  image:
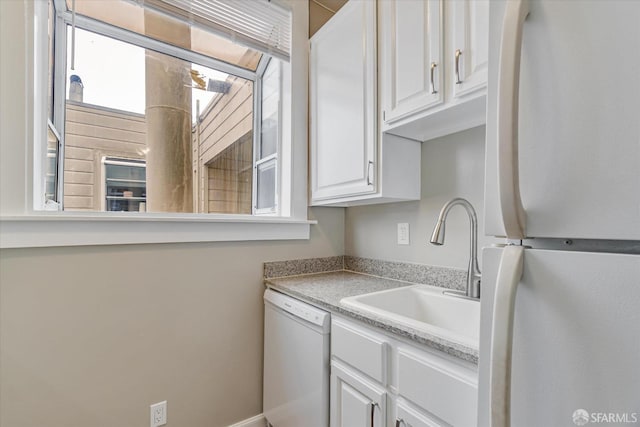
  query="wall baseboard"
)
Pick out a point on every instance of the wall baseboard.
point(257, 421)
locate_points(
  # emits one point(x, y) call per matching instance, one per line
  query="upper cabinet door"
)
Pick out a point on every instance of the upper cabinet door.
point(470, 47)
point(411, 57)
point(343, 103)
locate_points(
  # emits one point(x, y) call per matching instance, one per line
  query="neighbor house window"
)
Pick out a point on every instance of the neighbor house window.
point(157, 110)
point(125, 185)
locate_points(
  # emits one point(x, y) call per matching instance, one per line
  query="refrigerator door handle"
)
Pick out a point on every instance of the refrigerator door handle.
point(513, 214)
point(509, 275)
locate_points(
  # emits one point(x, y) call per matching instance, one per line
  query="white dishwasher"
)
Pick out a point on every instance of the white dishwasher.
point(296, 362)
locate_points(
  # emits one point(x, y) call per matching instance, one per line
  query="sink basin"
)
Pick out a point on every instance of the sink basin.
point(426, 309)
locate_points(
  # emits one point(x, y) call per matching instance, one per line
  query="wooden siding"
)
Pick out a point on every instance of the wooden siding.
point(230, 178)
point(227, 119)
point(91, 133)
point(225, 165)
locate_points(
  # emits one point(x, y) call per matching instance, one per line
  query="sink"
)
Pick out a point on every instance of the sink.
point(424, 308)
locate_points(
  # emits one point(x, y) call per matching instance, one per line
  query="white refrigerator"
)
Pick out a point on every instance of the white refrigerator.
point(560, 317)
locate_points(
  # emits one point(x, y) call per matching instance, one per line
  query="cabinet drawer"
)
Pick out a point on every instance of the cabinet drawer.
point(361, 349)
point(443, 388)
point(409, 417)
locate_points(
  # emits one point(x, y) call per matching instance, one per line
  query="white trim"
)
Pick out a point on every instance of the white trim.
point(53, 229)
point(294, 154)
point(257, 421)
point(40, 97)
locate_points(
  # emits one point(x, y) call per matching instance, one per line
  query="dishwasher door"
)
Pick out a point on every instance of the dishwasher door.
point(296, 363)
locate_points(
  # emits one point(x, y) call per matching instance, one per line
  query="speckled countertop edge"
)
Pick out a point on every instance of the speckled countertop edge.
point(325, 290)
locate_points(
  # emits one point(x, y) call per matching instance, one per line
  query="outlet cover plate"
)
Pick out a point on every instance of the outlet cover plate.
point(158, 413)
point(403, 233)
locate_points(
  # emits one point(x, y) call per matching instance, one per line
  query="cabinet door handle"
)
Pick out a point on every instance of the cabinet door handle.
point(432, 72)
point(458, 53)
point(399, 422)
point(369, 181)
point(373, 412)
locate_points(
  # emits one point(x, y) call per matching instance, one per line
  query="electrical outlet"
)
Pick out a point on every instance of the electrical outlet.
point(403, 233)
point(159, 414)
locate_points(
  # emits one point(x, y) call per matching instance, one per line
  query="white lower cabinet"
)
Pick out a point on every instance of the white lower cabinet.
point(356, 401)
point(442, 387)
point(381, 380)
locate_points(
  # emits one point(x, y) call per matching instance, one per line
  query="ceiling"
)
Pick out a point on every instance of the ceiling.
point(320, 11)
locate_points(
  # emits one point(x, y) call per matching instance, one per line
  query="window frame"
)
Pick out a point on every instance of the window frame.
point(24, 224)
point(258, 160)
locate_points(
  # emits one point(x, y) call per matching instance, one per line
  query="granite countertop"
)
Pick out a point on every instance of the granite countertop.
point(326, 289)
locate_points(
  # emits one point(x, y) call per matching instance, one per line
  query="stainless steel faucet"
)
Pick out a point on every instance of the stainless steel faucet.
point(437, 238)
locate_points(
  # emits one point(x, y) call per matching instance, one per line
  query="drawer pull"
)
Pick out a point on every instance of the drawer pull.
point(432, 72)
point(458, 53)
point(369, 166)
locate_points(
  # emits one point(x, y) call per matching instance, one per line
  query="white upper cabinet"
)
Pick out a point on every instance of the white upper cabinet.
point(470, 47)
point(433, 62)
point(343, 103)
point(410, 42)
point(351, 161)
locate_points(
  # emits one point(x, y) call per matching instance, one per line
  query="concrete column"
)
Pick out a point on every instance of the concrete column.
point(168, 117)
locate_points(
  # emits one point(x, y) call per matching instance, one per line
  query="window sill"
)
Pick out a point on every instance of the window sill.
point(52, 229)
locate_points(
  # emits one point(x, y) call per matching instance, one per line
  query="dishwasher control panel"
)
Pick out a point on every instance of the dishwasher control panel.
point(298, 308)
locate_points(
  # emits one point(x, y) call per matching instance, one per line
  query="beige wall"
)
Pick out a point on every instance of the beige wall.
point(91, 336)
point(452, 166)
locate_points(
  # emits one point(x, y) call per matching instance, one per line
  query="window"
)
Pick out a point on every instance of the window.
point(267, 156)
point(158, 111)
point(28, 103)
point(125, 185)
point(51, 165)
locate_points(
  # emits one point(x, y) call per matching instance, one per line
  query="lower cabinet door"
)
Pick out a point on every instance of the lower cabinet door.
point(355, 401)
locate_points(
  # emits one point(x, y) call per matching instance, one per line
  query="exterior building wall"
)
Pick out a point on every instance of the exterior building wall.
point(224, 147)
point(92, 133)
point(230, 177)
